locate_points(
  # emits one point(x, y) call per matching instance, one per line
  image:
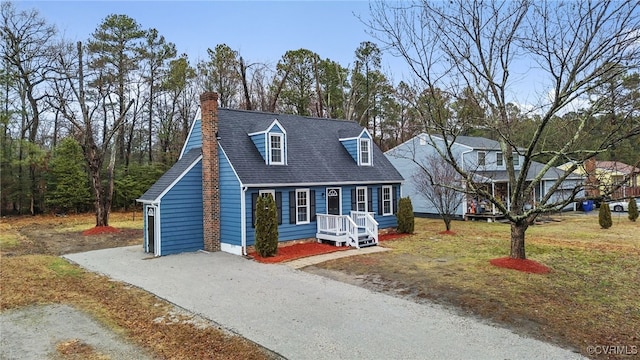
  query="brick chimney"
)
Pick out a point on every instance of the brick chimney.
point(592, 188)
point(210, 171)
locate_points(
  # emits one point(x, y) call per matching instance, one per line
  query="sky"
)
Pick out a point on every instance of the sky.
point(261, 31)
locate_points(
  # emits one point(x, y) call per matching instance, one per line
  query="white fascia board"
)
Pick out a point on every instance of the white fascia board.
point(194, 163)
point(265, 131)
point(149, 202)
point(197, 117)
point(231, 165)
point(341, 183)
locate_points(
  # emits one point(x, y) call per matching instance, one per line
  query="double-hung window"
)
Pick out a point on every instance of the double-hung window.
point(365, 152)
point(499, 159)
point(276, 149)
point(516, 159)
point(264, 193)
point(361, 198)
point(481, 158)
point(387, 200)
point(302, 206)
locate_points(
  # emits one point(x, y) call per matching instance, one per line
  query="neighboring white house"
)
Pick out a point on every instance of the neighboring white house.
point(482, 157)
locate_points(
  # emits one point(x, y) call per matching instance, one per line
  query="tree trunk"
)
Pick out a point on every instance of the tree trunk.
point(447, 223)
point(96, 185)
point(518, 230)
point(245, 87)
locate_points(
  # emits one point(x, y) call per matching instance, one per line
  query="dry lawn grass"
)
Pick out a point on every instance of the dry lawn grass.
point(133, 313)
point(591, 297)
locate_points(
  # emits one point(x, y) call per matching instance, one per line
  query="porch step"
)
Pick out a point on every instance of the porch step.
point(366, 240)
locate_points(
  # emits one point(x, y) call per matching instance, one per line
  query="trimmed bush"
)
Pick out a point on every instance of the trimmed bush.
point(405, 216)
point(604, 216)
point(266, 226)
point(633, 210)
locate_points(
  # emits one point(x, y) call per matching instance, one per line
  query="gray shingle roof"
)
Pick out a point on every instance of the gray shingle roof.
point(478, 143)
point(551, 174)
point(170, 176)
point(314, 152)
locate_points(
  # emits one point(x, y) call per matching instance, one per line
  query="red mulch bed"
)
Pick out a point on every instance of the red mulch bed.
point(100, 230)
point(297, 251)
point(391, 236)
point(447, 232)
point(524, 265)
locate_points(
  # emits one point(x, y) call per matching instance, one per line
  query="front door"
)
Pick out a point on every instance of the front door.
point(333, 201)
point(151, 227)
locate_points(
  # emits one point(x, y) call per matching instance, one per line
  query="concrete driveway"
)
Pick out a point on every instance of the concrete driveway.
point(305, 316)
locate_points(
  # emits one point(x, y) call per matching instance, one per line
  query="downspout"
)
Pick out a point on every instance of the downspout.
point(243, 220)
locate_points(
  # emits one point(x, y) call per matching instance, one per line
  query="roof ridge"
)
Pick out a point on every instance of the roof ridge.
point(283, 114)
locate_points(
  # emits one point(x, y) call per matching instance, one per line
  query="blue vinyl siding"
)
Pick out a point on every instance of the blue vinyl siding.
point(181, 214)
point(259, 142)
point(287, 231)
point(352, 148)
point(195, 137)
point(230, 225)
point(276, 129)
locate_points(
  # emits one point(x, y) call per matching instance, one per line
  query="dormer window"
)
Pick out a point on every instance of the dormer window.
point(499, 159)
point(365, 151)
point(276, 149)
point(360, 148)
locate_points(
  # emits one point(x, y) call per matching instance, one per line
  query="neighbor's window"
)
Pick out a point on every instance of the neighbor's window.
point(481, 158)
point(387, 200)
point(276, 149)
point(499, 159)
point(365, 152)
point(302, 206)
point(361, 199)
point(516, 159)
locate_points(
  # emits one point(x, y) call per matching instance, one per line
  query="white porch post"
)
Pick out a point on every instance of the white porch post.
point(493, 194)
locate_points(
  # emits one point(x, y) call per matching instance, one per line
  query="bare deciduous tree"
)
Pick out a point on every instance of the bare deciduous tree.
point(79, 107)
point(560, 50)
point(441, 185)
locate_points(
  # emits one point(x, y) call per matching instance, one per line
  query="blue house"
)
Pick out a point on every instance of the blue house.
point(484, 159)
point(328, 178)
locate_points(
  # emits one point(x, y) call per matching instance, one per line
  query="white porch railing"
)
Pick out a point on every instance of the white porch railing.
point(348, 229)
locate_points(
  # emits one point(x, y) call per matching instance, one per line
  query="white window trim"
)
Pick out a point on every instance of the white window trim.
point(307, 206)
point(390, 200)
point(268, 191)
point(370, 153)
point(366, 201)
point(501, 163)
point(282, 149)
